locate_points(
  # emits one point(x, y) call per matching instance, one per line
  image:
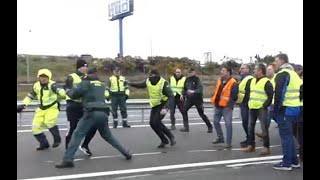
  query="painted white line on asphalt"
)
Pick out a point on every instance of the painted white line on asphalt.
point(158, 168)
point(233, 149)
point(194, 170)
point(210, 150)
point(254, 163)
point(105, 157)
point(130, 177)
point(135, 126)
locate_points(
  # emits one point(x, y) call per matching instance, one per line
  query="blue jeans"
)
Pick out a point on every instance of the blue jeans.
point(226, 113)
point(269, 118)
point(288, 146)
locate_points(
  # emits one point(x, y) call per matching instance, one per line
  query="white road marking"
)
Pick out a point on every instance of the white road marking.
point(130, 177)
point(134, 126)
point(253, 163)
point(233, 149)
point(194, 170)
point(105, 157)
point(158, 168)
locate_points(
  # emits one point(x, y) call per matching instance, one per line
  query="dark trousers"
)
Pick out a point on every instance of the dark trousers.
point(179, 103)
point(262, 114)
point(286, 134)
point(244, 109)
point(156, 124)
point(74, 114)
point(298, 132)
point(119, 101)
point(97, 120)
point(199, 105)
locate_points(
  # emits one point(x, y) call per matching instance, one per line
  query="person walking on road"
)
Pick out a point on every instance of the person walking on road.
point(96, 112)
point(161, 99)
point(46, 115)
point(260, 97)
point(193, 96)
point(177, 85)
point(118, 89)
point(224, 99)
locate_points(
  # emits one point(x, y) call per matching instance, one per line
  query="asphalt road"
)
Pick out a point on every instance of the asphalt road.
point(193, 157)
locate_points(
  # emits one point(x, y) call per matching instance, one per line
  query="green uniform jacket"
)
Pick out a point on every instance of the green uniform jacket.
point(92, 92)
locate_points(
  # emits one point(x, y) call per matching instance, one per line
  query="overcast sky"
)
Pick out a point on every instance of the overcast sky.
point(176, 28)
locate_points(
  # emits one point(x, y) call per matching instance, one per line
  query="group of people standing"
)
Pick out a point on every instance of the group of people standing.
point(263, 95)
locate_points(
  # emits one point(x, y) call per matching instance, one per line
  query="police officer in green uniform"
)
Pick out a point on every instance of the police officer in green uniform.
point(96, 112)
point(119, 91)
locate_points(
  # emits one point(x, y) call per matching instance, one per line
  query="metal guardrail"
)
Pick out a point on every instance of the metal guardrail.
point(132, 104)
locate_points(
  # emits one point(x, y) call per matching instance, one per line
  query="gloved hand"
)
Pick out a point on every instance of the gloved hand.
point(108, 98)
point(20, 108)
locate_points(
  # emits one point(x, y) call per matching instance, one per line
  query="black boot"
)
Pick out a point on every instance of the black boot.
point(115, 124)
point(56, 136)
point(44, 144)
point(67, 142)
point(172, 141)
point(125, 124)
point(185, 129)
point(64, 164)
point(128, 155)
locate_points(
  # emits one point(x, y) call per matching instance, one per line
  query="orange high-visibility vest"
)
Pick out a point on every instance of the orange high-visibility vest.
point(225, 93)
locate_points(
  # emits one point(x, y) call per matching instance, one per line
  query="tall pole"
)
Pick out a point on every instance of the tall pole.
point(120, 37)
point(27, 59)
point(151, 47)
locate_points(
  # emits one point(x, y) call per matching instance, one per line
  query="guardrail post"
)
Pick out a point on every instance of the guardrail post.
point(20, 121)
point(142, 111)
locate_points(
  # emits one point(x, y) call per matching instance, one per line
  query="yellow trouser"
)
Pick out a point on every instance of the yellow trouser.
point(45, 119)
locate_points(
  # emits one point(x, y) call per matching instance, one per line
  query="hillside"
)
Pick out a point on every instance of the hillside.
point(133, 70)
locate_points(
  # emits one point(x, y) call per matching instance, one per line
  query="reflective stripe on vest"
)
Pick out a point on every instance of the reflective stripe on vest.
point(257, 93)
point(225, 93)
point(177, 87)
point(272, 80)
point(45, 95)
point(76, 80)
point(242, 87)
point(117, 85)
point(292, 95)
point(155, 92)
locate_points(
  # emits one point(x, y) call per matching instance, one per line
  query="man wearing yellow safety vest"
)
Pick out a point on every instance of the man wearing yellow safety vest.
point(260, 97)
point(243, 99)
point(117, 88)
point(286, 109)
point(74, 109)
point(270, 76)
point(177, 85)
point(46, 92)
point(161, 99)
